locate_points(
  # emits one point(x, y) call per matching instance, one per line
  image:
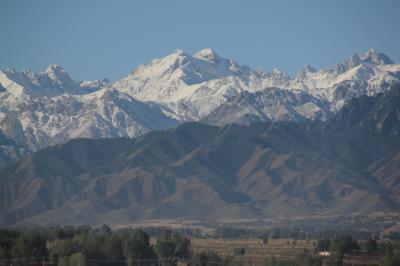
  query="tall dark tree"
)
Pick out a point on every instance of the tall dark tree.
point(307, 259)
point(336, 251)
point(208, 258)
point(172, 247)
point(137, 249)
point(112, 248)
point(182, 246)
point(323, 245)
point(371, 247)
point(28, 246)
point(105, 230)
point(386, 248)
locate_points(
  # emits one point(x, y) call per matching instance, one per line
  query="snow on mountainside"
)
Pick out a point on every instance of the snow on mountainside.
point(39, 122)
point(272, 104)
point(194, 86)
point(178, 75)
point(54, 81)
point(41, 109)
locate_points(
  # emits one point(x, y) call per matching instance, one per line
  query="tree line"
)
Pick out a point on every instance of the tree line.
point(101, 246)
point(387, 251)
point(84, 245)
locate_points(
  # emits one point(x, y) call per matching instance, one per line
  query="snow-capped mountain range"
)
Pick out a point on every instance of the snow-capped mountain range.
point(42, 109)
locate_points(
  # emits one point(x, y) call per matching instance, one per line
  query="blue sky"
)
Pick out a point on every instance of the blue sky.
point(98, 39)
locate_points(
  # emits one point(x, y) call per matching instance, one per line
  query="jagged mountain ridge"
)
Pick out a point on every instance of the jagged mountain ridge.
point(163, 81)
point(42, 109)
point(265, 169)
point(38, 110)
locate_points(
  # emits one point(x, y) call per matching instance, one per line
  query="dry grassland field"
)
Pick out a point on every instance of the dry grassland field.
point(256, 252)
point(253, 247)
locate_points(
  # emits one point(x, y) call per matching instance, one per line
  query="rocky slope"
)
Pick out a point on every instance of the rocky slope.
point(266, 169)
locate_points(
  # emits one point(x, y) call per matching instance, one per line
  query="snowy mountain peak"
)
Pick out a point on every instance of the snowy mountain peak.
point(207, 54)
point(353, 61)
point(304, 71)
point(309, 68)
point(58, 74)
point(168, 79)
point(371, 58)
point(164, 68)
point(54, 68)
point(178, 51)
point(374, 57)
point(52, 82)
point(279, 74)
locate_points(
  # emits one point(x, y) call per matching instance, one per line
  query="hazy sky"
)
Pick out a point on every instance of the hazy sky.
point(98, 39)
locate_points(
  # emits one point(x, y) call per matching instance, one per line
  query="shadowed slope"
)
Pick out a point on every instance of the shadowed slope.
point(268, 169)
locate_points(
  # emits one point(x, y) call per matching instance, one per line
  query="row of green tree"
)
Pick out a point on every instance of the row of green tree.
point(101, 246)
point(83, 245)
point(86, 246)
point(387, 251)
